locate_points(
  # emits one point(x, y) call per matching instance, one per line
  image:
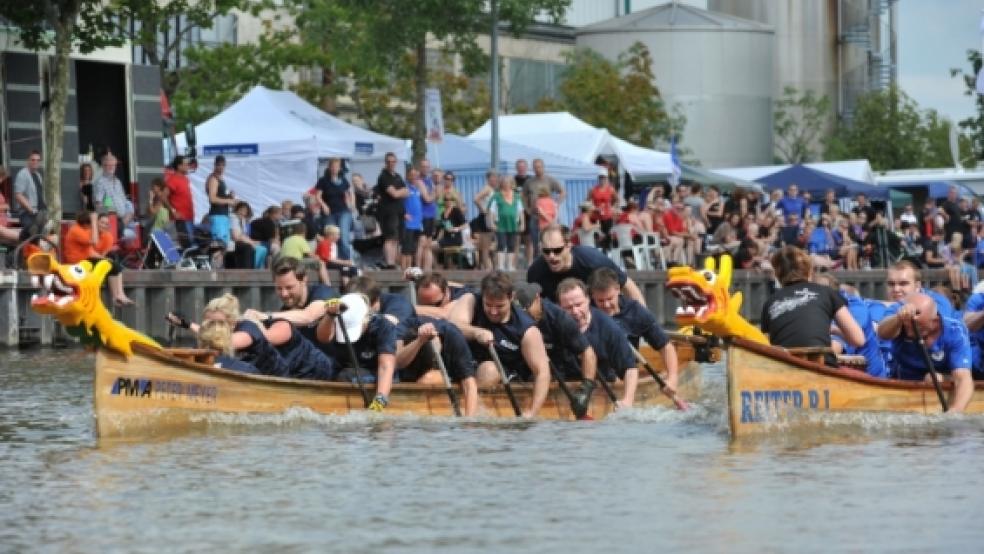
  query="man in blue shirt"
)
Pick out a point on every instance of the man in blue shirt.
point(946, 342)
point(634, 318)
point(396, 307)
point(490, 318)
point(902, 280)
point(791, 203)
point(413, 224)
point(560, 260)
point(871, 349)
point(973, 318)
point(416, 361)
point(609, 341)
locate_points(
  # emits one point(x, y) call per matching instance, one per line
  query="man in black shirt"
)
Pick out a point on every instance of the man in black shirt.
point(951, 212)
point(391, 190)
point(560, 260)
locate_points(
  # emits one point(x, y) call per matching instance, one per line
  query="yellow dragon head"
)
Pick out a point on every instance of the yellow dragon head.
point(706, 303)
point(70, 293)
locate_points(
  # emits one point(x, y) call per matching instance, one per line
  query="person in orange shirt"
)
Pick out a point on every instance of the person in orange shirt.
point(78, 246)
point(546, 208)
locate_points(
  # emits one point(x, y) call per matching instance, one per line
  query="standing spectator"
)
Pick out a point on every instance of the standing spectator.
point(481, 227)
point(29, 204)
point(337, 201)
point(428, 201)
point(969, 220)
point(792, 203)
point(85, 188)
point(413, 224)
point(604, 197)
point(521, 175)
point(509, 223)
point(437, 178)
point(158, 216)
point(951, 213)
point(392, 192)
point(247, 253)
point(452, 223)
point(863, 206)
point(715, 208)
point(220, 201)
point(179, 200)
point(531, 192)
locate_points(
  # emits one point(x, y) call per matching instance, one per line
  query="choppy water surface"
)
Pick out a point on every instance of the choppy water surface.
point(645, 480)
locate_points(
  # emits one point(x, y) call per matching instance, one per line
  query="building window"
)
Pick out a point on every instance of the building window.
point(222, 31)
point(532, 80)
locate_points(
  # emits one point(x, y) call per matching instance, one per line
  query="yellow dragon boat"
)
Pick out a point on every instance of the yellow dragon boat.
point(771, 389)
point(142, 388)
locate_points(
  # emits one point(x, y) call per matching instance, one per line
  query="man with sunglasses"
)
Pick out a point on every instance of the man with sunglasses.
point(491, 319)
point(560, 260)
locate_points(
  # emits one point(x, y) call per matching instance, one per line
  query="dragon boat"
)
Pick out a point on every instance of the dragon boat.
point(771, 389)
point(142, 388)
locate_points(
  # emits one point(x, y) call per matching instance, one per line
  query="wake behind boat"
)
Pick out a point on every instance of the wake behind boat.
point(166, 390)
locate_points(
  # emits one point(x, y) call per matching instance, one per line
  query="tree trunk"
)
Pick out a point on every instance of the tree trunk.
point(55, 122)
point(420, 80)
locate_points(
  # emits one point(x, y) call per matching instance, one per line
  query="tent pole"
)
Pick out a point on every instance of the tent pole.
point(494, 45)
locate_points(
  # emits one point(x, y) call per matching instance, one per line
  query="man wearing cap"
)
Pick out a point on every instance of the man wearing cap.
point(568, 349)
point(609, 341)
point(436, 296)
point(559, 260)
point(416, 361)
point(634, 319)
point(372, 337)
point(302, 303)
point(491, 319)
point(946, 343)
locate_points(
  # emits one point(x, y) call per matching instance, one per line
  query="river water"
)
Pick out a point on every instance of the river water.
point(645, 480)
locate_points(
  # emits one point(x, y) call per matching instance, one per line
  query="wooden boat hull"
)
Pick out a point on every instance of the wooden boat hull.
point(769, 389)
point(157, 392)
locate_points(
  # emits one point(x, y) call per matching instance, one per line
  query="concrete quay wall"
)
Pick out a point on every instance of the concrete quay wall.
point(158, 291)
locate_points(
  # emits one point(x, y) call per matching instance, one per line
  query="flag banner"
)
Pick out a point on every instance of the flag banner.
point(433, 115)
point(675, 159)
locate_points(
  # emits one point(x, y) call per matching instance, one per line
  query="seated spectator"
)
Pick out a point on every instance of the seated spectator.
point(78, 245)
point(266, 229)
point(585, 223)
point(297, 247)
point(962, 273)
point(932, 257)
point(314, 218)
point(790, 232)
point(158, 217)
point(246, 253)
point(546, 208)
point(8, 235)
point(328, 250)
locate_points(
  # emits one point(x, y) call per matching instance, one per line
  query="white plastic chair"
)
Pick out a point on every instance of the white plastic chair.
point(640, 252)
point(654, 249)
point(586, 238)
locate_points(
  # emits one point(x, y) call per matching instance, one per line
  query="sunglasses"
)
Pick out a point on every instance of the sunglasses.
point(552, 251)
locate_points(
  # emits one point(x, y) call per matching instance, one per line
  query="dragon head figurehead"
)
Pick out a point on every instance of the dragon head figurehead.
point(706, 302)
point(70, 293)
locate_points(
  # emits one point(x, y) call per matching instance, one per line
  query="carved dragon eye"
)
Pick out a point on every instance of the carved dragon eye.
point(709, 276)
point(77, 271)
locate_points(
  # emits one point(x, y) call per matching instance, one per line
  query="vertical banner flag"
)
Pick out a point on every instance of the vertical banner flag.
point(980, 74)
point(675, 160)
point(433, 115)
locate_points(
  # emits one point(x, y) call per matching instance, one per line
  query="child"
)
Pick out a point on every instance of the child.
point(546, 208)
point(296, 246)
point(327, 250)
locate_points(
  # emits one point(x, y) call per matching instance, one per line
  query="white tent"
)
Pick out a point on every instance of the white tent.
point(273, 141)
point(563, 134)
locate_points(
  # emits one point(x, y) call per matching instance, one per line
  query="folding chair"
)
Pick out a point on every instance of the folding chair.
point(171, 257)
point(640, 252)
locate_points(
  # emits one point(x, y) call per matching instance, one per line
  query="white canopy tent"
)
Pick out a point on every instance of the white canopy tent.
point(565, 135)
point(273, 141)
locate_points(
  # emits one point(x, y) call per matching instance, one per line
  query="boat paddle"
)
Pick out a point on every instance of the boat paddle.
point(680, 403)
point(579, 413)
point(412, 275)
point(929, 365)
point(353, 358)
point(505, 381)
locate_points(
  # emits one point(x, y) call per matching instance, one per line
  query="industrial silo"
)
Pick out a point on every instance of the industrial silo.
point(716, 67)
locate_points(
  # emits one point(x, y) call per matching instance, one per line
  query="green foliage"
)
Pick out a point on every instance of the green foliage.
point(890, 131)
point(620, 96)
point(973, 125)
point(86, 23)
point(799, 119)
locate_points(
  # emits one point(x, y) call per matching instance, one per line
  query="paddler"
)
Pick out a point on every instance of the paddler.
point(637, 322)
point(946, 342)
point(302, 302)
point(490, 318)
point(416, 360)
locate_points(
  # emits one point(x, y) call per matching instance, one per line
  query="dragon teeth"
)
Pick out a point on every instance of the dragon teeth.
point(36, 281)
point(64, 300)
point(48, 280)
point(51, 297)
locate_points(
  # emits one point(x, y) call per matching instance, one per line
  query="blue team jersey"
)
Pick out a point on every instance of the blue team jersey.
point(507, 338)
point(638, 322)
point(611, 346)
point(584, 261)
point(949, 352)
point(413, 207)
point(379, 338)
point(871, 349)
point(429, 208)
point(398, 306)
point(454, 348)
point(562, 339)
point(316, 293)
point(976, 304)
point(943, 305)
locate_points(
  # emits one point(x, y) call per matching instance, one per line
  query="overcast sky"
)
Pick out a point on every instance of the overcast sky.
point(934, 36)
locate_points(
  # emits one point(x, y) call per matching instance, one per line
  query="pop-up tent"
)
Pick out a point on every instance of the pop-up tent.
point(563, 134)
point(273, 141)
point(818, 182)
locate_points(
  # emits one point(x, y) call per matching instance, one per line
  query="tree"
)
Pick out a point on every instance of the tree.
point(890, 131)
point(620, 96)
point(369, 40)
point(973, 125)
point(159, 28)
point(61, 25)
point(799, 119)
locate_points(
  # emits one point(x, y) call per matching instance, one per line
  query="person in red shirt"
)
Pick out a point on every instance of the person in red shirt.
point(676, 231)
point(77, 246)
point(179, 200)
point(604, 196)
